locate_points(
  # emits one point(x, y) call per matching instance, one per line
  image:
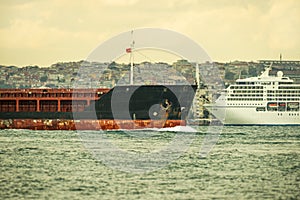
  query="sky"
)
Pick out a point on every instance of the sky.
point(43, 32)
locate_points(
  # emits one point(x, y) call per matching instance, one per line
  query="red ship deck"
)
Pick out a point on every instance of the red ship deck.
point(48, 100)
point(65, 100)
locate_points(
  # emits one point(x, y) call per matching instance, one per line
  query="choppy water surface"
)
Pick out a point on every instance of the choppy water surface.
point(246, 163)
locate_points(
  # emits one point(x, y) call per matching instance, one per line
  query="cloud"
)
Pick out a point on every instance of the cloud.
point(120, 2)
point(33, 34)
point(227, 29)
point(248, 30)
point(282, 24)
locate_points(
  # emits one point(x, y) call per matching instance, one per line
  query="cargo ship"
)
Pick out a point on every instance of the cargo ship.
point(122, 107)
point(131, 106)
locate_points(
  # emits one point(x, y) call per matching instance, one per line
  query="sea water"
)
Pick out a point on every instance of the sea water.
point(245, 163)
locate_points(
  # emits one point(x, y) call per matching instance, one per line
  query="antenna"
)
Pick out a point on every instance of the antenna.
point(280, 57)
point(197, 75)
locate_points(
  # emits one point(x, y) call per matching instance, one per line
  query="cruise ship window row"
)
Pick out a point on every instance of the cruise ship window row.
point(246, 87)
point(289, 82)
point(293, 114)
point(246, 95)
point(248, 91)
point(245, 99)
point(284, 91)
point(245, 83)
point(245, 104)
point(283, 99)
point(284, 95)
point(289, 87)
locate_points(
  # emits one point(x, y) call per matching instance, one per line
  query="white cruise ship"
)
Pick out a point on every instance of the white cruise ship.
point(262, 100)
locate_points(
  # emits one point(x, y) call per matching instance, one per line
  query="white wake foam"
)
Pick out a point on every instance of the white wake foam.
point(186, 129)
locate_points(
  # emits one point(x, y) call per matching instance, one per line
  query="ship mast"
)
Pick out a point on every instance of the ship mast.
point(131, 59)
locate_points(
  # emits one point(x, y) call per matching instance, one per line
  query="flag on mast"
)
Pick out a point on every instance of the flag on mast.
point(128, 50)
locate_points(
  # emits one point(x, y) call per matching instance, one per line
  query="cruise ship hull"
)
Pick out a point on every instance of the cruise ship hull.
point(250, 116)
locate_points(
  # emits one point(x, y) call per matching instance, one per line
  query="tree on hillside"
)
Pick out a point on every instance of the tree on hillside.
point(229, 75)
point(44, 78)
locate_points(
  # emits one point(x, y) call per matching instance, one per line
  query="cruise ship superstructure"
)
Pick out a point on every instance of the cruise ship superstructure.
point(262, 100)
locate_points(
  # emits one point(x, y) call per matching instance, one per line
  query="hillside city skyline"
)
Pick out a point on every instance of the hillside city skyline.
point(65, 74)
